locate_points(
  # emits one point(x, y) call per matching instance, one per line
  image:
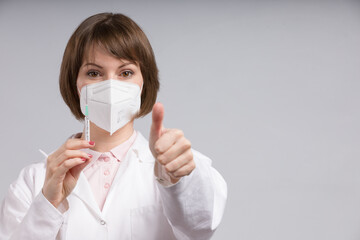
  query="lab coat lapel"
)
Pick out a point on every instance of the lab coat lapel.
point(139, 151)
point(84, 192)
point(121, 173)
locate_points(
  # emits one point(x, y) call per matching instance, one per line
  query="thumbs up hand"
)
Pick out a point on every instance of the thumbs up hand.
point(169, 147)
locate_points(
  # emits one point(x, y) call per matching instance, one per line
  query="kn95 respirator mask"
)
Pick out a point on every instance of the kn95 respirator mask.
point(110, 104)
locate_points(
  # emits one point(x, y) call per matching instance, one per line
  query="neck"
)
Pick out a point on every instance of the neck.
point(104, 142)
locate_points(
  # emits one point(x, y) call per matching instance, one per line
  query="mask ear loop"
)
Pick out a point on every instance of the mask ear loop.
point(140, 92)
point(79, 92)
point(142, 85)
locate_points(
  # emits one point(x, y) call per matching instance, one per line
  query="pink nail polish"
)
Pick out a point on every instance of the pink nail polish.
point(84, 159)
point(90, 156)
point(91, 142)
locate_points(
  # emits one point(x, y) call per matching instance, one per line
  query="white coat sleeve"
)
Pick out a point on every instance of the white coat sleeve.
point(195, 205)
point(26, 214)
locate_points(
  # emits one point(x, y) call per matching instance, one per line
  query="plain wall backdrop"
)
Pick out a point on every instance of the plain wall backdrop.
point(269, 90)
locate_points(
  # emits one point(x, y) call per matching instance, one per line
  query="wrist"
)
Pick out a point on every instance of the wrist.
point(55, 203)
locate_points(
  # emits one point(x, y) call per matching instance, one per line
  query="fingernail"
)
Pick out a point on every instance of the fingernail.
point(91, 143)
point(90, 156)
point(84, 159)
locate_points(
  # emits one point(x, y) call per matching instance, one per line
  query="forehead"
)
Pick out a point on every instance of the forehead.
point(97, 53)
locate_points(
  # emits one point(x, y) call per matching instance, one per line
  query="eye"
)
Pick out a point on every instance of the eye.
point(126, 74)
point(93, 74)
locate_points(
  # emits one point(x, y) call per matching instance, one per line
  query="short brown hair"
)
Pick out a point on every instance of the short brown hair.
point(119, 36)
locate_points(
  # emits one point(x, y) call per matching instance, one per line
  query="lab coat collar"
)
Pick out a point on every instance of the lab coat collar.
point(141, 149)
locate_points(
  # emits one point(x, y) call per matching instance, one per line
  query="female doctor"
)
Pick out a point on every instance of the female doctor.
point(116, 185)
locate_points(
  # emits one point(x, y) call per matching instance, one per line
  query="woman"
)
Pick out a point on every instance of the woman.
point(117, 185)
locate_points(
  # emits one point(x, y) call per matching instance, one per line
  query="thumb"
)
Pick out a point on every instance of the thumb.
point(157, 123)
point(157, 120)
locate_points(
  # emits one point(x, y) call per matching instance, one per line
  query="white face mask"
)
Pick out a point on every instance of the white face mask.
point(111, 103)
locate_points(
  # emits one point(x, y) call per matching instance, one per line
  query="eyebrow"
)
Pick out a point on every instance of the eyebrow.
point(93, 64)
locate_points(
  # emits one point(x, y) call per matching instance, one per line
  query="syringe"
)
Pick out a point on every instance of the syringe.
point(87, 122)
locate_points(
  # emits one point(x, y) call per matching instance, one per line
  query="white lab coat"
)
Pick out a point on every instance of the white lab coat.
point(137, 205)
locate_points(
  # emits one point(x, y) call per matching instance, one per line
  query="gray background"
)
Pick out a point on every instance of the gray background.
point(268, 89)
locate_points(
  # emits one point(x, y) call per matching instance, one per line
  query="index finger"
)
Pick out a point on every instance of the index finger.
point(74, 144)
